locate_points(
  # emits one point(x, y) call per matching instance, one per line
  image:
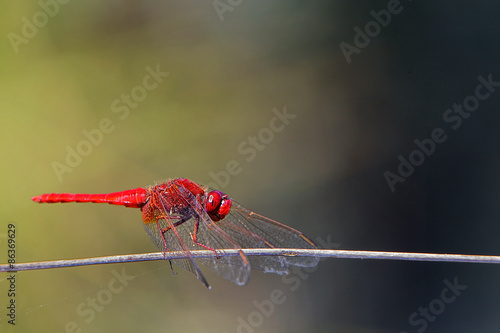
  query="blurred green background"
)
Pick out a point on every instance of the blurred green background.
point(66, 67)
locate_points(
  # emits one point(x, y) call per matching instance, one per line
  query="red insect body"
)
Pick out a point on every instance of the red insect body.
point(181, 215)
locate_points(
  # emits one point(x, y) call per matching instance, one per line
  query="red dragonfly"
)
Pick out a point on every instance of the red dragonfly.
point(181, 215)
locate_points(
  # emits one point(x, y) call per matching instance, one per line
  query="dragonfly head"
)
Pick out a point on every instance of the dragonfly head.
point(217, 205)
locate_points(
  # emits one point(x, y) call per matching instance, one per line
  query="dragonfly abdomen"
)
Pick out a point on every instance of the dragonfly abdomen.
point(135, 198)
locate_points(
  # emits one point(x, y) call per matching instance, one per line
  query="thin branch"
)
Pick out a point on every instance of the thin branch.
point(346, 254)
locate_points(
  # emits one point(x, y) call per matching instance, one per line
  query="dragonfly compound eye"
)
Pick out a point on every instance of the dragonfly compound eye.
point(217, 205)
point(225, 207)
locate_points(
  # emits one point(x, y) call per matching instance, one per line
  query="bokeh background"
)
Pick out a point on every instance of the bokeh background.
point(230, 65)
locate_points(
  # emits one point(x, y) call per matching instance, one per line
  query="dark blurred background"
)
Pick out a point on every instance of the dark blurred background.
point(356, 102)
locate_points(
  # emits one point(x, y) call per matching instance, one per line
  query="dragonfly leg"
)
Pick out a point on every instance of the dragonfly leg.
point(195, 239)
point(165, 241)
point(172, 268)
point(162, 231)
point(181, 221)
point(165, 248)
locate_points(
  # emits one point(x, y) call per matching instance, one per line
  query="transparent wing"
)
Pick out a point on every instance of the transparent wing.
point(240, 229)
point(251, 230)
point(173, 241)
point(179, 237)
point(232, 268)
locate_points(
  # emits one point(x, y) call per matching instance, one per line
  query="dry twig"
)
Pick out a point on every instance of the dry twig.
point(346, 254)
